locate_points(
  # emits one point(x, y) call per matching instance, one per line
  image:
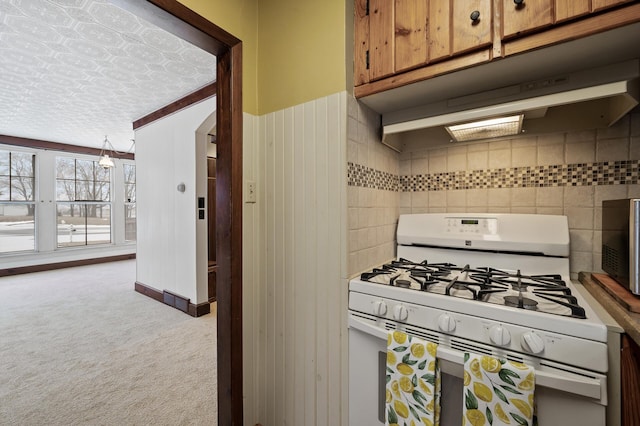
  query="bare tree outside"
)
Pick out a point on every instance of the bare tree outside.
point(83, 202)
point(17, 206)
point(129, 202)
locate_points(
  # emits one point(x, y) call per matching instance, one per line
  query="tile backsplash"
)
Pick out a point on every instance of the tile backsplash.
point(560, 173)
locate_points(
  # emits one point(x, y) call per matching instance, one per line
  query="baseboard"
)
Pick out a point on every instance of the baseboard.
point(60, 265)
point(174, 300)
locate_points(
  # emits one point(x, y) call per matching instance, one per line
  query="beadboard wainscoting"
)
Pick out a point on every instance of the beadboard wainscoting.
point(252, 268)
point(301, 306)
point(559, 173)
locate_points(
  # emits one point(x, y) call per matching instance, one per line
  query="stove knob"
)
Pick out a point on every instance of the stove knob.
point(400, 313)
point(379, 308)
point(532, 342)
point(446, 323)
point(499, 335)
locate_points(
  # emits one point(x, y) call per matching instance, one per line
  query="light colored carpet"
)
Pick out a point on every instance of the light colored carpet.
point(79, 346)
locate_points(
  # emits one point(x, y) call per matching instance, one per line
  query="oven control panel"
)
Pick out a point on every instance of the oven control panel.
point(471, 225)
point(419, 319)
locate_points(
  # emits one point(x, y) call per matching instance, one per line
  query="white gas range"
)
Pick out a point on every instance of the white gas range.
point(494, 284)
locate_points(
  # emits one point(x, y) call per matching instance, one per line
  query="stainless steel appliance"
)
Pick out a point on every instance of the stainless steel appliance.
point(495, 284)
point(621, 241)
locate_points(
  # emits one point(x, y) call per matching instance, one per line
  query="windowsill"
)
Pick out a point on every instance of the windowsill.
point(65, 254)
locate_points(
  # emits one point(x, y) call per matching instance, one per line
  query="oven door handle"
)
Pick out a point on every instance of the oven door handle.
point(567, 382)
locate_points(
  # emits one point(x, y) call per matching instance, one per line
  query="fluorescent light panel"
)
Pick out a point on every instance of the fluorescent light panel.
point(485, 129)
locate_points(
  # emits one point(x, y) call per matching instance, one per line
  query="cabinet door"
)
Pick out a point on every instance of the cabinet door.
point(568, 9)
point(468, 33)
point(361, 43)
point(603, 4)
point(524, 17)
point(411, 45)
point(439, 26)
point(381, 38)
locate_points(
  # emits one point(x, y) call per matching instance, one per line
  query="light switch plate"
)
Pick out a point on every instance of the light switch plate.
point(250, 191)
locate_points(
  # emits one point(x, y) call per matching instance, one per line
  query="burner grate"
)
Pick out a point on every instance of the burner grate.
point(546, 293)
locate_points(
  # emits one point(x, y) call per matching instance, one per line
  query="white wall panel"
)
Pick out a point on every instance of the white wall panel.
point(167, 237)
point(252, 270)
point(302, 301)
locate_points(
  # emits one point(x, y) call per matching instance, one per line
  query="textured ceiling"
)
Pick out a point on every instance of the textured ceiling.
point(73, 71)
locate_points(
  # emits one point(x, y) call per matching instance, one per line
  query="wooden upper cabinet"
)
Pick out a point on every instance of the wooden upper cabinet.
point(597, 5)
point(411, 36)
point(469, 33)
point(381, 38)
point(398, 42)
point(525, 17)
point(569, 9)
point(361, 43)
point(439, 27)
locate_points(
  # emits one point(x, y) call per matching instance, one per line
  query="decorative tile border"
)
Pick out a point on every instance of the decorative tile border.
point(367, 177)
point(579, 174)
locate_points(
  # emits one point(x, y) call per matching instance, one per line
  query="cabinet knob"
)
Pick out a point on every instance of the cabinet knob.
point(475, 15)
point(518, 2)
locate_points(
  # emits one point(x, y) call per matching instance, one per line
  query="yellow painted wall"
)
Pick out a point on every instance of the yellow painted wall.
point(240, 18)
point(301, 53)
point(294, 50)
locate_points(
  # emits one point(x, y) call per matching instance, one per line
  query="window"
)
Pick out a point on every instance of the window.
point(83, 202)
point(129, 202)
point(17, 202)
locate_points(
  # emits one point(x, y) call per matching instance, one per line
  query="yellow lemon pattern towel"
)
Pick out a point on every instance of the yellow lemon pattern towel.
point(497, 392)
point(413, 381)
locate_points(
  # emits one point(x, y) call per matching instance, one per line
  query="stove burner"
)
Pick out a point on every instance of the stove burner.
point(403, 283)
point(542, 293)
point(520, 302)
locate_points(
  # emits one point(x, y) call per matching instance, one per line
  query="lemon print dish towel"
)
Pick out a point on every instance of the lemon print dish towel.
point(497, 392)
point(413, 381)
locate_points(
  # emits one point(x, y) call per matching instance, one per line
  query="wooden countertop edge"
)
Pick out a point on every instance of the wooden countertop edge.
point(629, 321)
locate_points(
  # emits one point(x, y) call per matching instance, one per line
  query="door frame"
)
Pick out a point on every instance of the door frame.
point(174, 17)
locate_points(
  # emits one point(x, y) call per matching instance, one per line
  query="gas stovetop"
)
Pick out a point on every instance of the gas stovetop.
point(546, 293)
point(499, 279)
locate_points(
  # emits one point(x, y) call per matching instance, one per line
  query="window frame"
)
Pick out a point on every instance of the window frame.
point(26, 201)
point(83, 202)
point(127, 202)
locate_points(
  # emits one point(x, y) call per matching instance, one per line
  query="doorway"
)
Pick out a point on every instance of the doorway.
point(177, 19)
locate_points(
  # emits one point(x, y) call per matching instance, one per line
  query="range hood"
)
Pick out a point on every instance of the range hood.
point(587, 99)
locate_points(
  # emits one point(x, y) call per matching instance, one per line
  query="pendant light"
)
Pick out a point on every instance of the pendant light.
point(106, 162)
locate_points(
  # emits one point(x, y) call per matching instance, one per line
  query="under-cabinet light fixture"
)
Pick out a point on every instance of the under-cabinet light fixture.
point(485, 129)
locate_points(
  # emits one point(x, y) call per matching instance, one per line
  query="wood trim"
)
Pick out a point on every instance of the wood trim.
point(192, 98)
point(56, 146)
point(423, 73)
point(229, 237)
point(60, 265)
point(149, 291)
point(200, 309)
point(188, 25)
point(630, 381)
point(193, 310)
point(629, 321)
point(497, 29)
point(574, 30)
